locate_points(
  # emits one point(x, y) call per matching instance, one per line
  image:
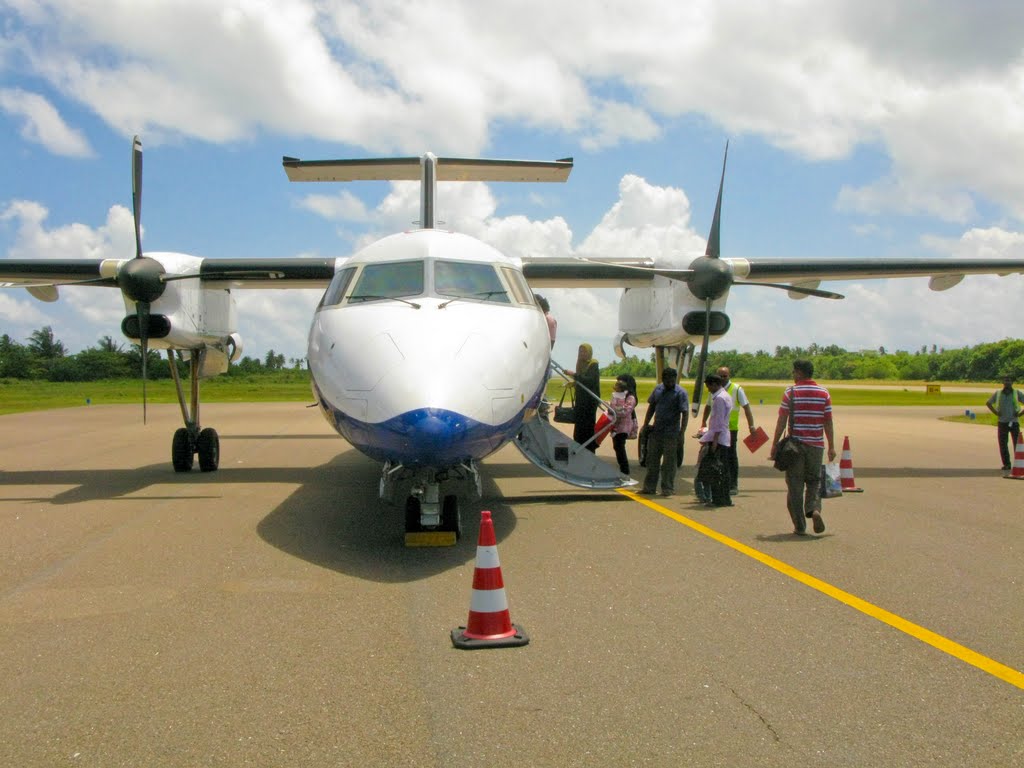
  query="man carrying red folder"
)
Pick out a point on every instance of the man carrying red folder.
point(739, 399)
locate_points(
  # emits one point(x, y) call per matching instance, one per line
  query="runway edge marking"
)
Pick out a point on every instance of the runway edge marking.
point(944, 644)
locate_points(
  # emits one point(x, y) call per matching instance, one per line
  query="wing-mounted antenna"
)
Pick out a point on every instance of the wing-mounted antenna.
point(429, 169)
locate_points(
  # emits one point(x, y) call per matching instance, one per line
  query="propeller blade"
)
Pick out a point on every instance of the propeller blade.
point(714, 249)
point(142, 310)
point(698, 384)
point(796, 289)
point(137, 193)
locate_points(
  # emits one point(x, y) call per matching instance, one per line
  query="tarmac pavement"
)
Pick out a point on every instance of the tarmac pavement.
point(269, 615)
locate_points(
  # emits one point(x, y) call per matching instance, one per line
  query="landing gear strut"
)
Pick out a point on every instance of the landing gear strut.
point(191, 440)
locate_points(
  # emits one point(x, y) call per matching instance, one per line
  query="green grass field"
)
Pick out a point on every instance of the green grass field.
point(843, 393)
point(851, 393)
point(18, 396)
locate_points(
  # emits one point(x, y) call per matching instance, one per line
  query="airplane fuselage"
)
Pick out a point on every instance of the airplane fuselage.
point(428, 350)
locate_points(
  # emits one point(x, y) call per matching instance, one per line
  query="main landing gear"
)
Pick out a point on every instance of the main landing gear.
point(191, 441)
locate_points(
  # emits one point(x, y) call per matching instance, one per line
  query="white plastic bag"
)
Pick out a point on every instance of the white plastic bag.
point(831, 484)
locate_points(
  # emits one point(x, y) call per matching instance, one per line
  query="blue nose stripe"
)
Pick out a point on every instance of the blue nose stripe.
point(425, 437)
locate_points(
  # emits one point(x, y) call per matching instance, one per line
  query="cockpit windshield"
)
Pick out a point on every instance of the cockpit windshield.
point(448, 280)
point(469, 280)
point(388, 280)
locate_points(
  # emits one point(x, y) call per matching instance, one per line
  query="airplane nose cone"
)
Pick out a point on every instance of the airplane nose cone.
point(430, 435)
point(432, 428)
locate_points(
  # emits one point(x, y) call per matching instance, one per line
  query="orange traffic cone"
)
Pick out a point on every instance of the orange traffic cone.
point(489, 624)
point(846, 470)
point(1018, 460)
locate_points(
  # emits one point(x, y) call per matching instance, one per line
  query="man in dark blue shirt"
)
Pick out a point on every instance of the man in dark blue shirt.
point(669, 407)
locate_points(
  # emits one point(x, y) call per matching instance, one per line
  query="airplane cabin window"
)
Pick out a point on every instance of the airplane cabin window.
point(336, 290)
point(469, 280)
point(520, 289)
point(388, 280)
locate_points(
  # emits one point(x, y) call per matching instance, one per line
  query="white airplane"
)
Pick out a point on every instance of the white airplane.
point(428, 351)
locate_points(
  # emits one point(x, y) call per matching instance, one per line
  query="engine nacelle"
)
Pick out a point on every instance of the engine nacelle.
point(159, 327)
point(187, 315)
point(667, 314)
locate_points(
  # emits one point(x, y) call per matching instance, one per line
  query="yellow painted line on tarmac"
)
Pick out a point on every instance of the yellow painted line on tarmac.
point(1003, 672)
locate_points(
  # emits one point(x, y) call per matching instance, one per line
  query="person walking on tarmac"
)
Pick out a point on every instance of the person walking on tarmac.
point(739, 400)
point(712, 471)
point(669, 407)
point(807, 408)
point(1004, 404)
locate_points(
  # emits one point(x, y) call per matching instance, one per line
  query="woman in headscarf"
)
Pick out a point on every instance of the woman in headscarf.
point(587, 374)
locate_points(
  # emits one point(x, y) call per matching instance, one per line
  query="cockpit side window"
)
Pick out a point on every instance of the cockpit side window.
point(520, 290)
point(388, 280)
point(336, 290)
point(469, 280)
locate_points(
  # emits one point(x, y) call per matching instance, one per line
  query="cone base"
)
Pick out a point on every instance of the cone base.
point(459, 640)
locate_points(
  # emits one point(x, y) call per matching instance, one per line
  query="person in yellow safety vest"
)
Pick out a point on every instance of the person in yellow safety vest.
point(1004, 405)
point(739, 399)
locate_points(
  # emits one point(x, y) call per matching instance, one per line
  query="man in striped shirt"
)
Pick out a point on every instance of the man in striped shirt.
point(808, 406)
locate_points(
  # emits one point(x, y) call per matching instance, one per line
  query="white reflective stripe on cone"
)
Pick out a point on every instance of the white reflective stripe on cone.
point(487, 557)
point(488, 601)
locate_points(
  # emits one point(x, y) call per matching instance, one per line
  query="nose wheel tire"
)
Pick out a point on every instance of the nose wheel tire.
point(450, 518)
point(412, 514)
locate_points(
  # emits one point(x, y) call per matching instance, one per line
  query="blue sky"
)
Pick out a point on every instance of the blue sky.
point(855, 129)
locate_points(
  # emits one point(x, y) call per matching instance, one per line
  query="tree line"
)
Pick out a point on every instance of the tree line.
point(45, 358)
point(982, 362)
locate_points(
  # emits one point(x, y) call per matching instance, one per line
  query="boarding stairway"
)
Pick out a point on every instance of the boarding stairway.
point(560, 456)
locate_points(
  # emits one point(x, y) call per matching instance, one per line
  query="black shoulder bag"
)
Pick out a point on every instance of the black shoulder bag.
point(566, 414)
point(788, 449)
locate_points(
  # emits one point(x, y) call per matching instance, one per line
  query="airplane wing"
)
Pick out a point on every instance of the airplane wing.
point(551, 272)
point(776, 270)
point(214, 273)
point(604, 272)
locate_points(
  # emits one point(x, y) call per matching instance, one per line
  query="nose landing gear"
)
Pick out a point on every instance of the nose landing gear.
point(440, 529)
point(432, 514)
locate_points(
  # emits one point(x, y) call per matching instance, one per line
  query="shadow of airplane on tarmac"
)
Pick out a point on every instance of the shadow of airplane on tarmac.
point(334, 518)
